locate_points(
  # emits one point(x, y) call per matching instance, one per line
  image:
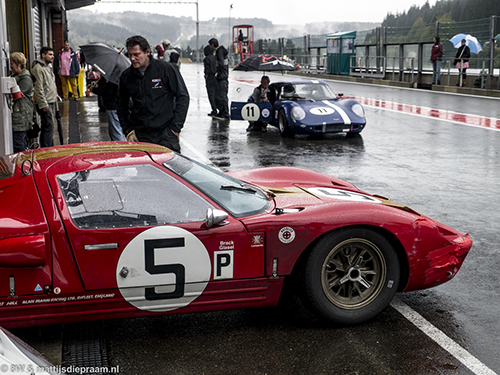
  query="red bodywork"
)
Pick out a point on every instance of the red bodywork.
point(51, 273)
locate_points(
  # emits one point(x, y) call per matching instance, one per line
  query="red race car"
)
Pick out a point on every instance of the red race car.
point(115, 230)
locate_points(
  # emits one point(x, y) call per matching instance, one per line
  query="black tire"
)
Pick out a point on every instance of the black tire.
point(283, 126)
point(353, 135)
point(351, 275)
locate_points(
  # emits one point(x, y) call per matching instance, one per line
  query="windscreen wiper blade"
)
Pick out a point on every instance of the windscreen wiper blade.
point(240, 188)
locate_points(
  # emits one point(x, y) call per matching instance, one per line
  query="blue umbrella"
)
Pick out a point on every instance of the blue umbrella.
point(470, 41)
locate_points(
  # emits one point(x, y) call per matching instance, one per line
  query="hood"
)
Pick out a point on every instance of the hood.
point(298, 188)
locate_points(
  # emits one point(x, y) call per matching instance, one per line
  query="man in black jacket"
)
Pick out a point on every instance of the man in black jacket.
point(222, 75)
point(210, 69)
point(158, 94)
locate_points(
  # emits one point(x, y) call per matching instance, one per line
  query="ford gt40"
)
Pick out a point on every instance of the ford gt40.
point(115, 230)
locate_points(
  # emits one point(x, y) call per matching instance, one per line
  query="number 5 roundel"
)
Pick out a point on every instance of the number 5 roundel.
point(162, 269)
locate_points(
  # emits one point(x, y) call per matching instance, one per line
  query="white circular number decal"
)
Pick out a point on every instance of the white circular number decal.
point(322, 111)
point(250, 112)
point(162, 269)
point(343, 195)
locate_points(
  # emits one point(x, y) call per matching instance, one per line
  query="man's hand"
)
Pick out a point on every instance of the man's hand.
point(46, 109)
point(177, 135)
point(131, 137)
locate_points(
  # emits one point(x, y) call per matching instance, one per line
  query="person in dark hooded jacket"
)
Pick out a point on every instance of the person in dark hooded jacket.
point(210, 64)
point(221, 76)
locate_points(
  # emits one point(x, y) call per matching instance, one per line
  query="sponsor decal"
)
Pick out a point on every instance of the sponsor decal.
point(57, 290)
point(53, 299)
point(38, 288)
point(286, 234)
point(257, 241)
point(156, 83)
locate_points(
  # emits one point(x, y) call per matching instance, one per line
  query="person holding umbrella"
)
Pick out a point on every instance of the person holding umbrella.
point(462, 61)
point(159, 96)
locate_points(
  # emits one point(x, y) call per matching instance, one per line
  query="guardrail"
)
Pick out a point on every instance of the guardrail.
point(368, 66)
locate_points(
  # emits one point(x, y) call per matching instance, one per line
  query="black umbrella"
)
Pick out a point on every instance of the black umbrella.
point(265, 63)
point(109, 61)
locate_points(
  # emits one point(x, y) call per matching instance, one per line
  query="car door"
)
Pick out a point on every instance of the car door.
point(139, 228)
point(25, 240)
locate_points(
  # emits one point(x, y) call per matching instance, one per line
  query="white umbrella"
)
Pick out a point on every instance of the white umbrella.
point(470, 41)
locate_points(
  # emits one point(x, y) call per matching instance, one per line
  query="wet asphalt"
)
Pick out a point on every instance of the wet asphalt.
point(443, 169)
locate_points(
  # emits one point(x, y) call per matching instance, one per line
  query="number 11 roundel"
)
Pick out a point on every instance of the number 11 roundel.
point(162, 269)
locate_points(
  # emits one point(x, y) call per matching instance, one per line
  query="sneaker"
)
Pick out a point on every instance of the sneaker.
point(212, 114)
point(219, 117)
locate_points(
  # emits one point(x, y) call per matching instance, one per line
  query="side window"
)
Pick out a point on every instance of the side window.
point(129, 196)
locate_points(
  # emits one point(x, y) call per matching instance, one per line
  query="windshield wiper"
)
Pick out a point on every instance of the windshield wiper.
point(236, 187)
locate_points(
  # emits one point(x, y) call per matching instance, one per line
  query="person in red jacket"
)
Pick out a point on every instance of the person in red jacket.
point(436, 58)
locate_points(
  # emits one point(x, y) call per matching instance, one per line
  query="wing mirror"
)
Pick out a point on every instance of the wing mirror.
point(216, 217)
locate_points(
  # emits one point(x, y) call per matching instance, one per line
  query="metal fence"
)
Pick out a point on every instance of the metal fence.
point(401, 53)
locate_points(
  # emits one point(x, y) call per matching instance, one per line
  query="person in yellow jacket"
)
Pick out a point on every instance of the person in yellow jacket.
point(45, 94)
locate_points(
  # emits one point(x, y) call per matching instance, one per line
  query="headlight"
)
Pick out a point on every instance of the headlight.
point(358, 110)
point(298, 113)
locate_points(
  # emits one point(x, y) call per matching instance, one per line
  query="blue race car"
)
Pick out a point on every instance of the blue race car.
point(303, 107)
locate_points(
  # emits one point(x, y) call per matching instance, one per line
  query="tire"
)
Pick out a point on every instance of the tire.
point(351, 275)
point(283, 126)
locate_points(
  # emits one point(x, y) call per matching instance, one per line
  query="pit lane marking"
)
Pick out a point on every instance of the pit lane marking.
point(476, 121)
point(467, 359)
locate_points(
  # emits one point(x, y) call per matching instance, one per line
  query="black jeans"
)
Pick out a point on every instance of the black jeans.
point(210, 83)
point(163, 137)
point(221, 98)
point(47, 126)
point(20, 141)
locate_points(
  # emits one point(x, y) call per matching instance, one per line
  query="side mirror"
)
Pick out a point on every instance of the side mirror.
point(216, 217)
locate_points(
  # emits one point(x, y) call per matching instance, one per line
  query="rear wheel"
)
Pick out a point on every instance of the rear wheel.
point(351, 275)
point(283, 126)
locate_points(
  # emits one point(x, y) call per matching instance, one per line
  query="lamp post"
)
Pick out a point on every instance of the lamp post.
point(229, 33)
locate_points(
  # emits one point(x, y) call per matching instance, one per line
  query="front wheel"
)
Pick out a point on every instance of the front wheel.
point(283, 126)
point(351, 275)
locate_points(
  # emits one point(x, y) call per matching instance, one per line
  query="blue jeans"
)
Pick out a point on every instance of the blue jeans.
point(114, 127)
point(436, 71)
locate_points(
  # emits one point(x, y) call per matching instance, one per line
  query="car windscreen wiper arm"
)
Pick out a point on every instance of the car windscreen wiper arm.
point(236, 187)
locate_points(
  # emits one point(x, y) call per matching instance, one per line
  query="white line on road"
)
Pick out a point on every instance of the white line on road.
point(471, 362)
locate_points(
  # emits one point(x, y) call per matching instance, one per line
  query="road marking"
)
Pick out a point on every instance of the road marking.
point(437, 114)
point(467, 359)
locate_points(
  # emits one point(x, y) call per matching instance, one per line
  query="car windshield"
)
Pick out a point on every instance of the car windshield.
point(238, 198)
point(311, 91)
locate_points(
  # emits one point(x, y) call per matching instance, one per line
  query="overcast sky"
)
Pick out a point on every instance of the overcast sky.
point(297, 12)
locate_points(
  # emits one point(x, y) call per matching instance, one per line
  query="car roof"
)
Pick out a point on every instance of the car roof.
point(50, 155)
